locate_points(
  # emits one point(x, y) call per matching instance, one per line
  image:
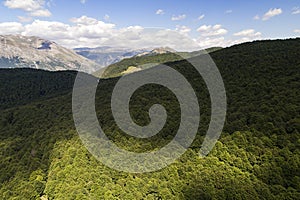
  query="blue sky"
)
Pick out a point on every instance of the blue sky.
point(94, 23)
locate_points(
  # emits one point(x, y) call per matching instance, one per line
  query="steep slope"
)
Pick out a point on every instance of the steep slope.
point(22, 52)
point(257, 156)
point(36, 85)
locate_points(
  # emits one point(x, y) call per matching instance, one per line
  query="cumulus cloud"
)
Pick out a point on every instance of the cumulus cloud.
point(271, 13)
point(33, 7)
point(207, 42)
point(160, 12)
point(90, 32)
point(209, 30)
point(178, 18)
point(40, 13)
point(183, 29)
point(201, 17)
point(83, 1)
point(48, 30)
point(296, 10)
point(248, 33)
point(212, 36)
point(11, 28)
point(138, 37)
point(26, 5)
point(228, 11)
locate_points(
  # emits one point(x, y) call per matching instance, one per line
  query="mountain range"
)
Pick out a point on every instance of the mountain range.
point(18, 51)
point(33, 52)
point(105, 56)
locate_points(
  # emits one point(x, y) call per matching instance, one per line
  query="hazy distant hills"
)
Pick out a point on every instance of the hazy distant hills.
point(105, 56)
point(33, 52)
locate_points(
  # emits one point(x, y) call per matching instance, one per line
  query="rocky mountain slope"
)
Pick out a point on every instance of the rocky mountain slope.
point(33, 52)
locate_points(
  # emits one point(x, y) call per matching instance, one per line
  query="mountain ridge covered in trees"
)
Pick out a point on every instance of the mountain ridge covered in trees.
point(257, 156)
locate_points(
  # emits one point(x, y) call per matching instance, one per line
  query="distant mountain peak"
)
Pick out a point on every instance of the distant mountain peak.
point(162, 50)
point(155, 51)
point(18, 51)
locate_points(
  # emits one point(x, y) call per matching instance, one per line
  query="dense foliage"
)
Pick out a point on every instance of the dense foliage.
point(21, 86)
point(257, 156)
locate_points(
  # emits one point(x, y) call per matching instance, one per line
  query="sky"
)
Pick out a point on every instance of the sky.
point(179, 24)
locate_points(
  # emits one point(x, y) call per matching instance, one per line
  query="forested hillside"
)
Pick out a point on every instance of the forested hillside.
point(257, 156)
point(21, 86)
point(146, 61)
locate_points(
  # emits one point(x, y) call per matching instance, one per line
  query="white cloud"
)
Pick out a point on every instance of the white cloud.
point(33, 7)
point(271, 13)
point(296, 10)
point(184, 30)
point(48, 30)
point(83, 1)
point(84, 20)
point(228, 11)
point(256, 17)
point(160, 12)
point(201, 17)
point(26, 5)
point(297, 31)
point(139, 37)
point(11, 28)
point(90, 32)
point(41, 13)
point(242, 40)
point(207, 42)
point(212, 36)
point(179, 17)
point(209, 30)
point(248, 33)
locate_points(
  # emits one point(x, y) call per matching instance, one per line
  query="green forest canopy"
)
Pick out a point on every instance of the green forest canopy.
point(257, 156)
